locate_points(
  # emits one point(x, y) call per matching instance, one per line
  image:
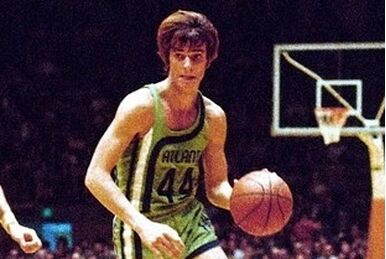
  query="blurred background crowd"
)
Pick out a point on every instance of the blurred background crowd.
point(65, 65)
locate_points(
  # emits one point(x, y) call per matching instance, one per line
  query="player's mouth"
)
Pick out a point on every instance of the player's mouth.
point(187, 77)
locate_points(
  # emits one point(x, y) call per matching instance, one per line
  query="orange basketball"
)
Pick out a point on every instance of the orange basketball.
point(261, 203)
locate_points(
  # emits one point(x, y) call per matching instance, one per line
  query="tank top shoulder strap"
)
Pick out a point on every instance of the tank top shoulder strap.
point(158, 108)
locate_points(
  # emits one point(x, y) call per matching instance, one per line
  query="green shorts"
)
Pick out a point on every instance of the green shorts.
point(192, 224)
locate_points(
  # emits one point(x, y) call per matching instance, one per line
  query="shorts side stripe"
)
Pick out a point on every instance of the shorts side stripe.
point(128, 247)
point(138, 246)
point(121, 241)
point(203, 248)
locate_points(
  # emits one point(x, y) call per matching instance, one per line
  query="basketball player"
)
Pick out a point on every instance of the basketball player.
point(156, 141)
point(27, 238)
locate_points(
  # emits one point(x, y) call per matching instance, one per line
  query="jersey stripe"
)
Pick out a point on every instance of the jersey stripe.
point(133, 157)
point(136, 179)
point(121, 182)
point(140, 171)
point(121, 240)
point(157, 149)
point(132, 166)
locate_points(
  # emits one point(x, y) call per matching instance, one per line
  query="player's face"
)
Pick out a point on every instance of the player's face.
point(187, 66)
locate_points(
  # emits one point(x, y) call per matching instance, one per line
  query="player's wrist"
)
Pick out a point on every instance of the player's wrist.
point(8, 220)
point(138, 225)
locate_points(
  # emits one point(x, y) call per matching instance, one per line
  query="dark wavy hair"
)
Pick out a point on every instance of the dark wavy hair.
point(186, 28)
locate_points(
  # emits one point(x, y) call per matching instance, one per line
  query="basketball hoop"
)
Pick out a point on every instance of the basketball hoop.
point(331, 121)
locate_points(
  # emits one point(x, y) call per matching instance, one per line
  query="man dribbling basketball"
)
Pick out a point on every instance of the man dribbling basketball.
point(156, 140)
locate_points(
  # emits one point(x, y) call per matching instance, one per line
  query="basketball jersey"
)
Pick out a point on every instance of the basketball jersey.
point(159, 172)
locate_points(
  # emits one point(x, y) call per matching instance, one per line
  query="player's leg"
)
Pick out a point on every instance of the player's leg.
point(215, 252)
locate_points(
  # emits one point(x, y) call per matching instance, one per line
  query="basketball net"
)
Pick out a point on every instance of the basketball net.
point(331, 121)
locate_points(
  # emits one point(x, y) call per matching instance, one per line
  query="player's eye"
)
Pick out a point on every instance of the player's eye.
point(197, 57)
point(179, 56)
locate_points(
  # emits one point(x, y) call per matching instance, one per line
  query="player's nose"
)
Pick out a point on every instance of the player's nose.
point(187, 62)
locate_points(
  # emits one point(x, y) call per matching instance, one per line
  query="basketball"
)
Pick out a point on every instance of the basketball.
point(261, 203)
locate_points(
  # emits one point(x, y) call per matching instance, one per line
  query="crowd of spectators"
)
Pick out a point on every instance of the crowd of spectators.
point(305, 239)
point(303, 244)
point(98, 249)
point(59, 138)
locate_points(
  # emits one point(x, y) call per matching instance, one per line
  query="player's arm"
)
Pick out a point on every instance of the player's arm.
point(218, 189)
point(134, 116)
point(130, 119)
point(27, 238)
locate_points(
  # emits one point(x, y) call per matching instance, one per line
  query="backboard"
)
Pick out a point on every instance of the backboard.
point(349, 75)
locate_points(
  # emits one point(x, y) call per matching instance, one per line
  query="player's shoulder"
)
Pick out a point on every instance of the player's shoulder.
point(216, 119)
point(212, 109)
point(136, 110)
point(139, 100)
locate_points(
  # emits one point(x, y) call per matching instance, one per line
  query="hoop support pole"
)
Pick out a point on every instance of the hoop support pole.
point(376, 239)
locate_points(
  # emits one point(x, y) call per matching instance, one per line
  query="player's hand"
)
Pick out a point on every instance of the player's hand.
point(27, 238)
point(161, 239)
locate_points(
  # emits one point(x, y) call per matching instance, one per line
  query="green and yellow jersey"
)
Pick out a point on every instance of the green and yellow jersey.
point(159, 172)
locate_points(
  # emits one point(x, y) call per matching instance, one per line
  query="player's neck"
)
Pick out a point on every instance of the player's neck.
point(177, 100)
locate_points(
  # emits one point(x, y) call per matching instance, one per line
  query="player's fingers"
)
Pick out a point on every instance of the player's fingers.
point(175, 247)
point(166, 248)
point(176, 241)
point(30, 242)
point(38, 243)
point(156, 251)
point(30, 247)
point(175, 238)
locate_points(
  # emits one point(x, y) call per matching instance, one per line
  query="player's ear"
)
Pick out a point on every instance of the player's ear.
point(208, 60)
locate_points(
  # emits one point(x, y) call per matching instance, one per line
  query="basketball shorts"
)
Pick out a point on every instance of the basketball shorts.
point(192, 224)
